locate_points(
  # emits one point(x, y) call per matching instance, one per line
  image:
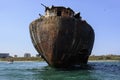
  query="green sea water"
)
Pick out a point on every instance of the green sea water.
point(41, 71)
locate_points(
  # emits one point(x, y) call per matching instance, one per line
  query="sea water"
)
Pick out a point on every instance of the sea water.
point(41, 71)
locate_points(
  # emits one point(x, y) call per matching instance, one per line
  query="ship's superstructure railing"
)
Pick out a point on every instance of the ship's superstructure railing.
point(58, 11)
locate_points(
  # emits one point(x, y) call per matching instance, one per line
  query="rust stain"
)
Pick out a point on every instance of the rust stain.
point(62, 38)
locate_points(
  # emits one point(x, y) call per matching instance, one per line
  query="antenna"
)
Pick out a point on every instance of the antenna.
point(46, 8)
point(44, 5)
point(40, 15)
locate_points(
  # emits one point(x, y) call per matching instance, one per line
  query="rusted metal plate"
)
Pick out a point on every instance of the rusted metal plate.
point(62, 41)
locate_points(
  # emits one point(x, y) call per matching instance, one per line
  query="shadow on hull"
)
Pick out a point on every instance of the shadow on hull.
point(62, 38)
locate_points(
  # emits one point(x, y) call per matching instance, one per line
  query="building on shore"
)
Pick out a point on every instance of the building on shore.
point(15, 56)
point(27, 55)
point(4, 55)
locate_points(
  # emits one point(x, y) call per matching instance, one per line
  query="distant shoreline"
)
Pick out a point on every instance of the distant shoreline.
point(103, 60)
point(22, 59)
point(105, 57)
point(91, 58)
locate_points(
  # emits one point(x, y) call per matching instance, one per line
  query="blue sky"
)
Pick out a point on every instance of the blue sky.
point(16, 15)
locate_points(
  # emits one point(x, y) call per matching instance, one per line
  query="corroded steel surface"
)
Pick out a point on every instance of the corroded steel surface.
point(62, 41)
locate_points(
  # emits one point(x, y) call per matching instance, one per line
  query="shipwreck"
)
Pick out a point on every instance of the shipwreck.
point(61, 37)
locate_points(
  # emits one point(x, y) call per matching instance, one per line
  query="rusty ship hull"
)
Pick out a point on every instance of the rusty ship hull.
point(62, 41)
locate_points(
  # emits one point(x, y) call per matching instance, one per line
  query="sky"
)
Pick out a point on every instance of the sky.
point(16, 15)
